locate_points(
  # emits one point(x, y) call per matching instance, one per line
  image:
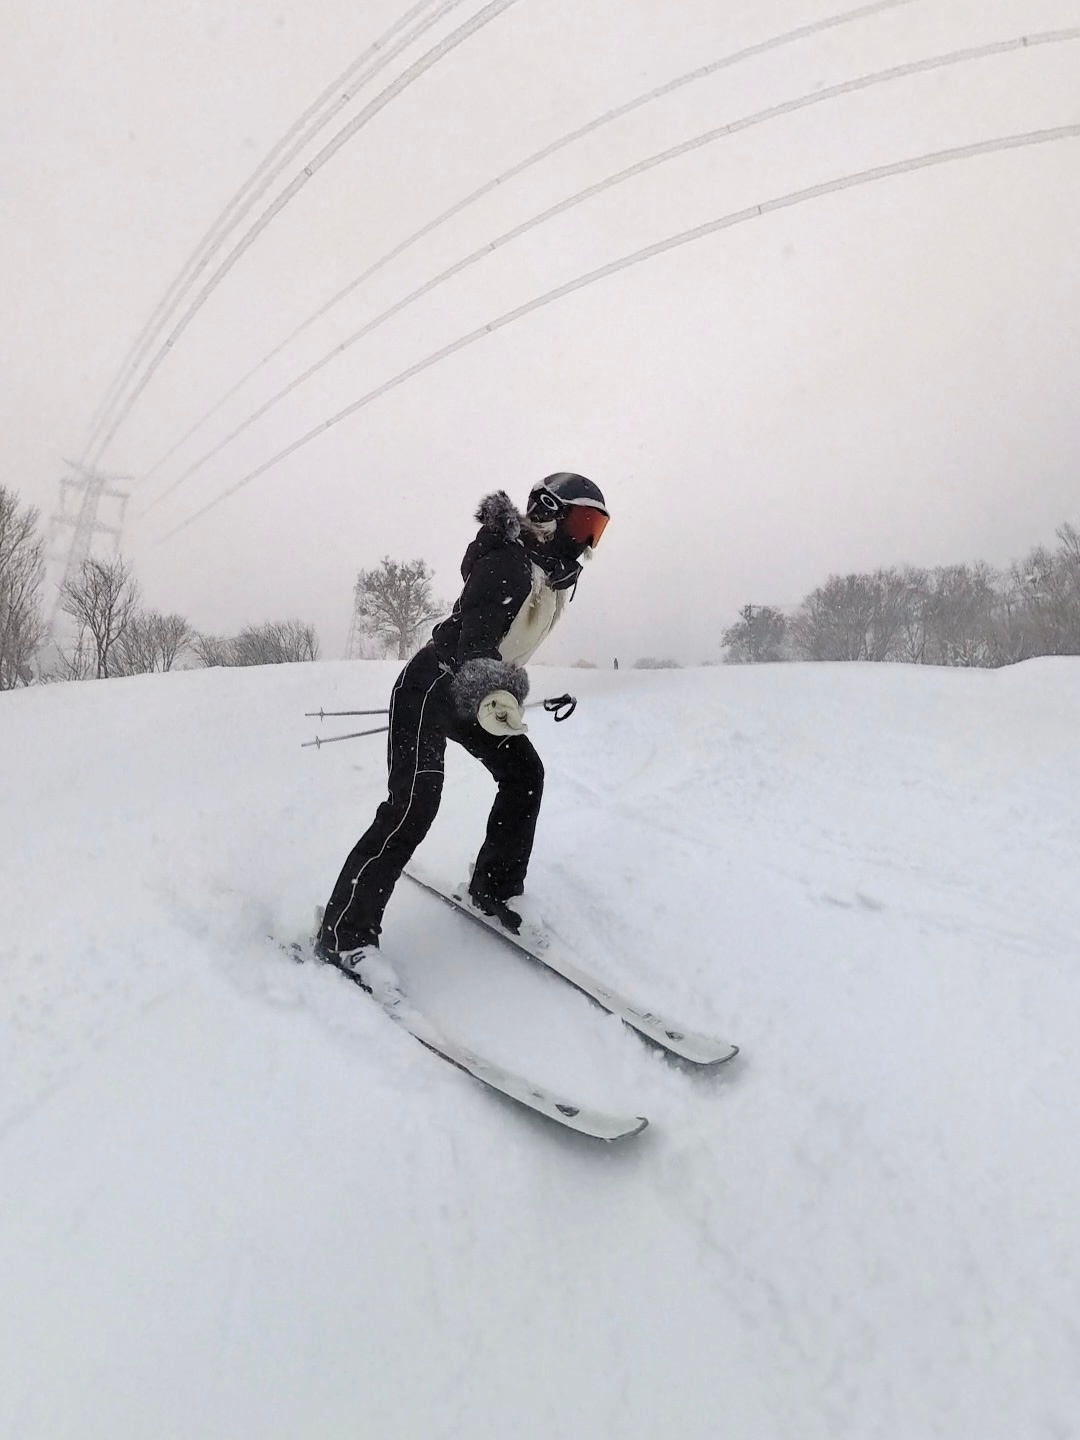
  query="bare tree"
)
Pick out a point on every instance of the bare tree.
point(279, 642)
point(1013, 631)
point(102, 599)
point(22, 627)
point(853, 617)
point(960, 614)
point(173, 635)
point(76, 663)
point(970, 615)
point(394, 605)
point(152, 642)
point(758, 636)
point(211, 650)
point(835, 620)
point(1050, 581)
point(1067, 575)
point(892, 598)
point(910, 638)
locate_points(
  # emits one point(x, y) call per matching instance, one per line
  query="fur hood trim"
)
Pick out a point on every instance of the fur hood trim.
point(497, 512)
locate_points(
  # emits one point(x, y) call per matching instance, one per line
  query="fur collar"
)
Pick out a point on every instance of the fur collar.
point(497, 512)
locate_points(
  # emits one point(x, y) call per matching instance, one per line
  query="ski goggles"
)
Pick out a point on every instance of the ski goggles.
point(584, 524)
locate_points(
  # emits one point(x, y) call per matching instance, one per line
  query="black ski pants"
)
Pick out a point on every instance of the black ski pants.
point(422, 719)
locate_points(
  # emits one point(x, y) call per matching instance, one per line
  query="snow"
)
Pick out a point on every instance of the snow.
point(235, 1200)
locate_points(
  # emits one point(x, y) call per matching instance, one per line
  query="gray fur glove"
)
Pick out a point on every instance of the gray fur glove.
point(479, 678)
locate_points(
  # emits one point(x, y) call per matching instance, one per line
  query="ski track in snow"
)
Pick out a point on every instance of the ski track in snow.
point(236, 1200)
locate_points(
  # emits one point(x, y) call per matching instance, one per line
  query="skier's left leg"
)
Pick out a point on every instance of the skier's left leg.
point(415, 748)
point(519, 773)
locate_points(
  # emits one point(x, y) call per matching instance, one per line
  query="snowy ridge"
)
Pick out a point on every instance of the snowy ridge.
point(234, 1204)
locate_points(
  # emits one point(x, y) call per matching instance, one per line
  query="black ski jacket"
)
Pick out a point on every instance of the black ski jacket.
point(498, 576)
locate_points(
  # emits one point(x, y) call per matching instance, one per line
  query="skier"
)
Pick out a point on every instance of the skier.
point(467, 684)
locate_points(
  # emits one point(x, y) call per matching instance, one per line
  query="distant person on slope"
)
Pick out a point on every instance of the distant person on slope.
point(467, 684)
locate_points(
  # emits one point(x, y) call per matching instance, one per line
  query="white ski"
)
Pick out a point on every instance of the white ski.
point(669, 1034)
point(397, 1005)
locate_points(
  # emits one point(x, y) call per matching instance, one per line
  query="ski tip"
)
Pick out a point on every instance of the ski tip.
point(609, 1129)
point(711, 1061)
point(640, 1123)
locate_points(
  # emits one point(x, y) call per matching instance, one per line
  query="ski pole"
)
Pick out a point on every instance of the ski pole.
point(325, 714)
point(561, 706)
point(320, 741)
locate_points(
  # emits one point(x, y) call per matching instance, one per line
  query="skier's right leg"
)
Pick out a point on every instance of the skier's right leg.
point(501, 865)
point(416, 751)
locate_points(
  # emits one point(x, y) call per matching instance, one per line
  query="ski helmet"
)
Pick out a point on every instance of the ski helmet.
point(574, 503)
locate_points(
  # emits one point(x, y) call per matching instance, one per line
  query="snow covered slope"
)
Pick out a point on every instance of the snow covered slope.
point(235, 1201)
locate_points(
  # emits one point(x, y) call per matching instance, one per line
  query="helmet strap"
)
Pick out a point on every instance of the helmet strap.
point(542, 531)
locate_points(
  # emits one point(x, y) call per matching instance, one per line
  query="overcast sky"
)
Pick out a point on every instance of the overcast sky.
point(885, 375)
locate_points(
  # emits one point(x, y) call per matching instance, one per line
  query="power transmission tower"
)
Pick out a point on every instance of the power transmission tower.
point(82, 494)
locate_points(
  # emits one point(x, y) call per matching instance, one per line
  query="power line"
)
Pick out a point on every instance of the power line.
point(302, 132)
point(648, 252)
point(701, 72)
point(685, 147)
point(457, 37)
point(490, 12)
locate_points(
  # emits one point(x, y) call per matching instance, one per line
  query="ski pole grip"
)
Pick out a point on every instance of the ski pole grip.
point(561, 706)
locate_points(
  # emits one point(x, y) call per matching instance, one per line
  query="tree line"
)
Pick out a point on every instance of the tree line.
point(22, 573)
point(970, 615)
point(113, 634)
point(116, 636)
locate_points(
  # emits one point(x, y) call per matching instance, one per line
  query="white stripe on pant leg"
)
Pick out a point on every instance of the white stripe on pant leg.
point(412, 796)
point(390, 735)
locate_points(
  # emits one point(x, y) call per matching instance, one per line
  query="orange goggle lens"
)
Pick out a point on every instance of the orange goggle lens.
point(584, 524)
